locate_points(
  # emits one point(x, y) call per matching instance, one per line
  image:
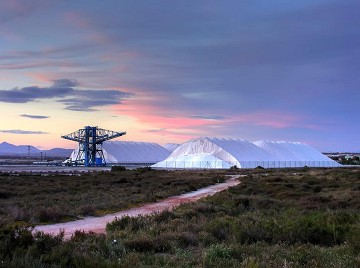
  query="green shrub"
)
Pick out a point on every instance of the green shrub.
point(50, 214)
point(144, 169)
point(234, 167)
point(203, 208)
point(322, 228)
point(164, 216)
point(88, 210)
point(185, 239)
point(145, 243)
point(317, 228)
point(18, 213)
point(120, 180)
point(6, 195)
point(317, 189)
point(251, 262)
point(127, 223)
point(14, 240)
point(216, 253)
point(259, 167)
point(118, 168)
point(353, 239)
point(220, 228)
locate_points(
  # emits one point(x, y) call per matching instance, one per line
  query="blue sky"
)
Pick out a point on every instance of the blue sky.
point(168, 71)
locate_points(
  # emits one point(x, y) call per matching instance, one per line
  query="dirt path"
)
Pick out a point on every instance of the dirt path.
point(98, 224)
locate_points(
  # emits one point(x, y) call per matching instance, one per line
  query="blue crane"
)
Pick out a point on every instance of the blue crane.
point(90, 141)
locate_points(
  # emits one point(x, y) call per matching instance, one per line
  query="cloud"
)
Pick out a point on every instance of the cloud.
point(194, 65)
point(256, 56)
point(34, 116)
point(56, 52)
point(156, 130)
point(208, 117)
point(85, 100)
point(18, 131)
point(65, 83)
point(32, 93)
point(36, 64)
point(182, 134)
point(64, 90)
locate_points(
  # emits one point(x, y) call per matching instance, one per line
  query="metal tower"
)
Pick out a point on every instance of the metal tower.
point(90, 144)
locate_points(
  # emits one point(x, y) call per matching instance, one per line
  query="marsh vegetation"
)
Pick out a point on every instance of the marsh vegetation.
point(48, 198)
point(274, 218)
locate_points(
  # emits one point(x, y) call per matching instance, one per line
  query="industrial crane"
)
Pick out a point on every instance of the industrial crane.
point(90, 141)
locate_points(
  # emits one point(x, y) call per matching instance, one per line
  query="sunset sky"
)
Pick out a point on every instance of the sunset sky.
point(168, 71)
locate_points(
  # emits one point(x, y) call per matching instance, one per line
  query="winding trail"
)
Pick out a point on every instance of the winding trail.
point(98, 224)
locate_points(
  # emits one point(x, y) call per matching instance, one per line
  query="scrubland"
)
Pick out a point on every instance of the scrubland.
point(49, 198)
point(274, 218)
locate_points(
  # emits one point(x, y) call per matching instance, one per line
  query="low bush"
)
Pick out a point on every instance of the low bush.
point(87, 210)
point(262, 222)
point(220, 228)
point(185, 239)
point(128, 223)
point(43, 244)
point(146, 243)
point(118, 168)
point(144, 169)
point(164, 216)
point(50, 214)
point(215, 253)
point(18, 213)
point(6, 195)
point(14, 240)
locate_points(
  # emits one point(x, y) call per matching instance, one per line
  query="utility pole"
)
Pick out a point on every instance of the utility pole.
point(41, 153)
point(28, 151)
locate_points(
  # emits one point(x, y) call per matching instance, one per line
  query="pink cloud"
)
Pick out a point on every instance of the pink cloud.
point(166, 122)
point(156, 119)
point(40, 77)
point(38, 64)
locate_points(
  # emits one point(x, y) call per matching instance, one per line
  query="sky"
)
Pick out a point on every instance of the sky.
point(169, 71)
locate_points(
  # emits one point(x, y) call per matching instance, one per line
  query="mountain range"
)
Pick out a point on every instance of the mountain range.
point(23, 150)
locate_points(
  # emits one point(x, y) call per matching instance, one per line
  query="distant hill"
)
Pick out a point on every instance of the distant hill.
point(22, 150)
point(11, 149)
point(59, 152)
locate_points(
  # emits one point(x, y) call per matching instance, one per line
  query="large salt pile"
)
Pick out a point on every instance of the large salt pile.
point(223, 153)
point(171, 146)
point(215, 153)
point(129, 152)
point(296, 153)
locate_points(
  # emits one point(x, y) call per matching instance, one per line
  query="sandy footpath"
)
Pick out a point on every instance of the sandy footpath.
point(98, 224)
